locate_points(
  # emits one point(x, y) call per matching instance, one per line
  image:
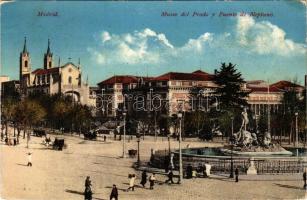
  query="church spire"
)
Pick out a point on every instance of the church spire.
point(48, 57)
point(48, 49)
point(25, 46)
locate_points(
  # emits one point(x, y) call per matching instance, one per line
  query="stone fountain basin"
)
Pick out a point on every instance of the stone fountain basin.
point(256, 153)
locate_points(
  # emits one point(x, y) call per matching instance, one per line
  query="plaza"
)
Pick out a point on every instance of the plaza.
point(61, 174)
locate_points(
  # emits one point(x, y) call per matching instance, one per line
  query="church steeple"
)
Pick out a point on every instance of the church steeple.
point(48, 49)
point(48, 57)
point(24, 60)
point(25, 46)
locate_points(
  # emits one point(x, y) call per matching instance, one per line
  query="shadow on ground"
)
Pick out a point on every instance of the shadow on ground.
point(22, 165)
point(289, 186)
point(81, 193)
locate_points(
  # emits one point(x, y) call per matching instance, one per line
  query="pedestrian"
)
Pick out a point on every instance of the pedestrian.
point(304, 178)
point(205, 172)
point(189, 171)
point(88, 182)
point(29, 159)
point(104, 138)
point(114, 193)
point(144, 178)
point(166, 164)
point(88, 193)
point(237, 174)
point(152, 179)
point(194, 173)
point(88, 189)
point(170, 176)
point(132, 178)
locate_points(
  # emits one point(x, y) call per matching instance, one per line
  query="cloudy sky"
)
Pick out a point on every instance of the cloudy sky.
point(133, 38)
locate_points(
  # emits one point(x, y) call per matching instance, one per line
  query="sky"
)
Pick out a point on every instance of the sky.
point(118, 38)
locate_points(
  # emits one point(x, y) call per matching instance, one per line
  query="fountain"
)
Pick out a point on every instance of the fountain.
point(247, 152)
point(247, 143)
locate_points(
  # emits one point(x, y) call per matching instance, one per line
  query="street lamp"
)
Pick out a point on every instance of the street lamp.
point(296, 129)
point(124, 140)
point(169, 144)
point(138, 161)
point(231, 146)
point(155, 126)
point(180, 152)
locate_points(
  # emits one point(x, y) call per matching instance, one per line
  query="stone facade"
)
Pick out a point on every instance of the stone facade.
point(51, 79)
point(175, 88)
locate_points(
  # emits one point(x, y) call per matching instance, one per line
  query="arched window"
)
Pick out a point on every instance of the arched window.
point(69, 80)
point(26, 63)
point(49, 64)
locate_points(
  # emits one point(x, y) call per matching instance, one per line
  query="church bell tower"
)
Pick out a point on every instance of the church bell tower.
point(48, 58)
point(24, 61)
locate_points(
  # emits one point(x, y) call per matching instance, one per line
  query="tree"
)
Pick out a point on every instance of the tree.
point(230, 87)
point(292, 103)
point(8, 111)
point(29, 113)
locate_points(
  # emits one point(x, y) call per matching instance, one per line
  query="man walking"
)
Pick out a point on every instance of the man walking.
point(170, 177)
point(144, 178)
point(88, 190)
point(29, 159)
point(237, 174)
point(114, 193)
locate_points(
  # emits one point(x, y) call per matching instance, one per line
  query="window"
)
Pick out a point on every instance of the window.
point(69, 70)
point(49, 64)
point(69, 80)
point(26, 63)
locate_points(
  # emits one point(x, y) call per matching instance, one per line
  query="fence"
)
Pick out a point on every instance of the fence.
point(222, 164)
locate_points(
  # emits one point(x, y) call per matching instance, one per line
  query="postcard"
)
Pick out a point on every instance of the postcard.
point(153, 100)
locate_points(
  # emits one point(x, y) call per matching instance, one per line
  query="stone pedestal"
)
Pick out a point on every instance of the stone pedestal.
point(252, 169)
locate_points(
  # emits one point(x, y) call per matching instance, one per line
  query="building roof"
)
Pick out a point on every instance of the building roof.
point(263, 89)
point(284, 85)
point(46, 71)
point(279, 86)
point(197, 76)
point(124, 79)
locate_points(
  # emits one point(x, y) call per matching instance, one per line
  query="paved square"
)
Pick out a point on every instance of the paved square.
point(61, 174)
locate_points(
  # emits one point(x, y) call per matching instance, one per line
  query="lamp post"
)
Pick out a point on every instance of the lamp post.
point(169, 145)
point(296, 129)
point(138, 161)
point(155, 126)
point(231, 146)
point(180, 152)
point(124, 139)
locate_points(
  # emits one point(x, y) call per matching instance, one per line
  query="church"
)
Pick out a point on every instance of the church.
point(53, 79)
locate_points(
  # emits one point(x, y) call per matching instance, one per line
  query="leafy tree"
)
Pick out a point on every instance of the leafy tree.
point(8, 111)
point(29, 113)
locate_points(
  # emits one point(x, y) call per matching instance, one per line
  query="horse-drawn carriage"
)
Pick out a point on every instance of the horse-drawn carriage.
point(58, 144)
point(91, 135)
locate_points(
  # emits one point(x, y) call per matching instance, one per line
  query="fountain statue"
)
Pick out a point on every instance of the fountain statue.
point(247, 143)
point(244, 137)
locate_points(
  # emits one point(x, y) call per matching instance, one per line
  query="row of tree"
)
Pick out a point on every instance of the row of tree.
point(41, 110)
